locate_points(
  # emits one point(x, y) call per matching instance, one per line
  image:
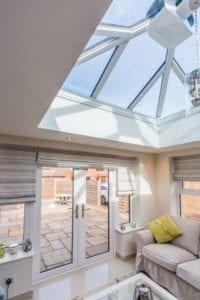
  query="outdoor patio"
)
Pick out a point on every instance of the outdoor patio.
point(56, 233)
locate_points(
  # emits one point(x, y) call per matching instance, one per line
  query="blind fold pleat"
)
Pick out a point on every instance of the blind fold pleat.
point(126, 167)
point(17, 175)
point(186, 168)
point(80, 160)
point(126, 181)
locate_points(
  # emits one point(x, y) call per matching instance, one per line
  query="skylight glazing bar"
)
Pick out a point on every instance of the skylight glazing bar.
point(147, 87)
point(178, 70)
point(110, 30)
point(165, 80)
point(108, 69)
point(136, 30)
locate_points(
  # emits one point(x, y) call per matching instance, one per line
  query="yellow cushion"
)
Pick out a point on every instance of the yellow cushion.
point(164, 229)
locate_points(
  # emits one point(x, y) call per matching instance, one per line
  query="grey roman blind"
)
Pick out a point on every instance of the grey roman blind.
point(186, 168)
point(126, 179)
point(17, 175)
point(81, 160)
point(126, 167)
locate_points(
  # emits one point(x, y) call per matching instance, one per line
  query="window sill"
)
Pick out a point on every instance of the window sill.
point(19, 255)
point(128, 229)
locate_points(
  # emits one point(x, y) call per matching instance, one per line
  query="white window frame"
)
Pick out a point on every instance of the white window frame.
point(181, 190)
point(28, 211)
point(131, 208)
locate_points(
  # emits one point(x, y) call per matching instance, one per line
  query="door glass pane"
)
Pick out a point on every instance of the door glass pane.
point(56, 218)
point(97, 212)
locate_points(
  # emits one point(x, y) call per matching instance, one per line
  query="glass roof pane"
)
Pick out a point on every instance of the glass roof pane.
point(175, 96)
point(148, 104)
point(94, 40)
point(140, 60)
point(185, 53)
point(127, 12)
point(83, 78)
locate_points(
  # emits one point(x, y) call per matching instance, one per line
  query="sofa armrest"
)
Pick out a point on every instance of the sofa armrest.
point(142, 238)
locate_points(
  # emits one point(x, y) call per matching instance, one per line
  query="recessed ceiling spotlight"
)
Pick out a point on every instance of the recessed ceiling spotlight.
point(68, 138)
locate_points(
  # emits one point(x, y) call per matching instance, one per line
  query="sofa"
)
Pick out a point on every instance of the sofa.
point(174, 265)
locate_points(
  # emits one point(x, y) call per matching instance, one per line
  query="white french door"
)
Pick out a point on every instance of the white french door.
point(76, 222)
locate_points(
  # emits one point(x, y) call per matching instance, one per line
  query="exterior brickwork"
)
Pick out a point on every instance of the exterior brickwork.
point(190, 207)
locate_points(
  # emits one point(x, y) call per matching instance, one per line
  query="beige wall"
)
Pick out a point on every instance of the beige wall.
point(145, 201)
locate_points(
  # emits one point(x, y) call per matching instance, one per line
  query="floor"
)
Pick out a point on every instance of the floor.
point(85, 281)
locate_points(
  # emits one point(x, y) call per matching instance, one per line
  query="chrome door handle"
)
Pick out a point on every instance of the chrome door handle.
point(83, 210)
point(76, 211)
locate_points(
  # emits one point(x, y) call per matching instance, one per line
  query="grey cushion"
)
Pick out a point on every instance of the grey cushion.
point(167, 255)
point(189, 239)
point(190, 272)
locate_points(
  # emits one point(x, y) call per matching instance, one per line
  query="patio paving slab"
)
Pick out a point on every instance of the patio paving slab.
point(91, 251)
point(95, 232)
point(55, 257)
point(67, 242)
point(56, 244)
point(45, 249)
point(55, 236)
point(97, 240)
point(44, 242)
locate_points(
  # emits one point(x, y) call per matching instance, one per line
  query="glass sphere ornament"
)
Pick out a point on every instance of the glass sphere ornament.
point(192, 83)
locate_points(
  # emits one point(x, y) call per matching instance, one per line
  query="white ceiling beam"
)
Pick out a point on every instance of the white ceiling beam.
point(165, 80)
point(147, 87)
point(178, 70)
point(108, 69)
point(138, 29)
point(110, 30)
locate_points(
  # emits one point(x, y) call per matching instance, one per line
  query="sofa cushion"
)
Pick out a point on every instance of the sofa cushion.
point(164, 229)
point(189, 239)
point(190, 272)
point(167, 255)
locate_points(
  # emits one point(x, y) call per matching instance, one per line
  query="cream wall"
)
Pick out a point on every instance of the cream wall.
point(145, 201)
point(21, 270)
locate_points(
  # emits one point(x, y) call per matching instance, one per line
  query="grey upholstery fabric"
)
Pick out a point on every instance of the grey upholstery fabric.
point(189, 239)
point(167, 255)
point(142, 238)
point(190, 272)
point(169, 280)
point(159, 267)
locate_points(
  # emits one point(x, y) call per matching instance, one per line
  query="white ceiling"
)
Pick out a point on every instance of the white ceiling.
point(40, 42)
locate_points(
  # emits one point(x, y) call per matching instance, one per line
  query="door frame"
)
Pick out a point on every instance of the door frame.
point(82, 260)
point(78, 261)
